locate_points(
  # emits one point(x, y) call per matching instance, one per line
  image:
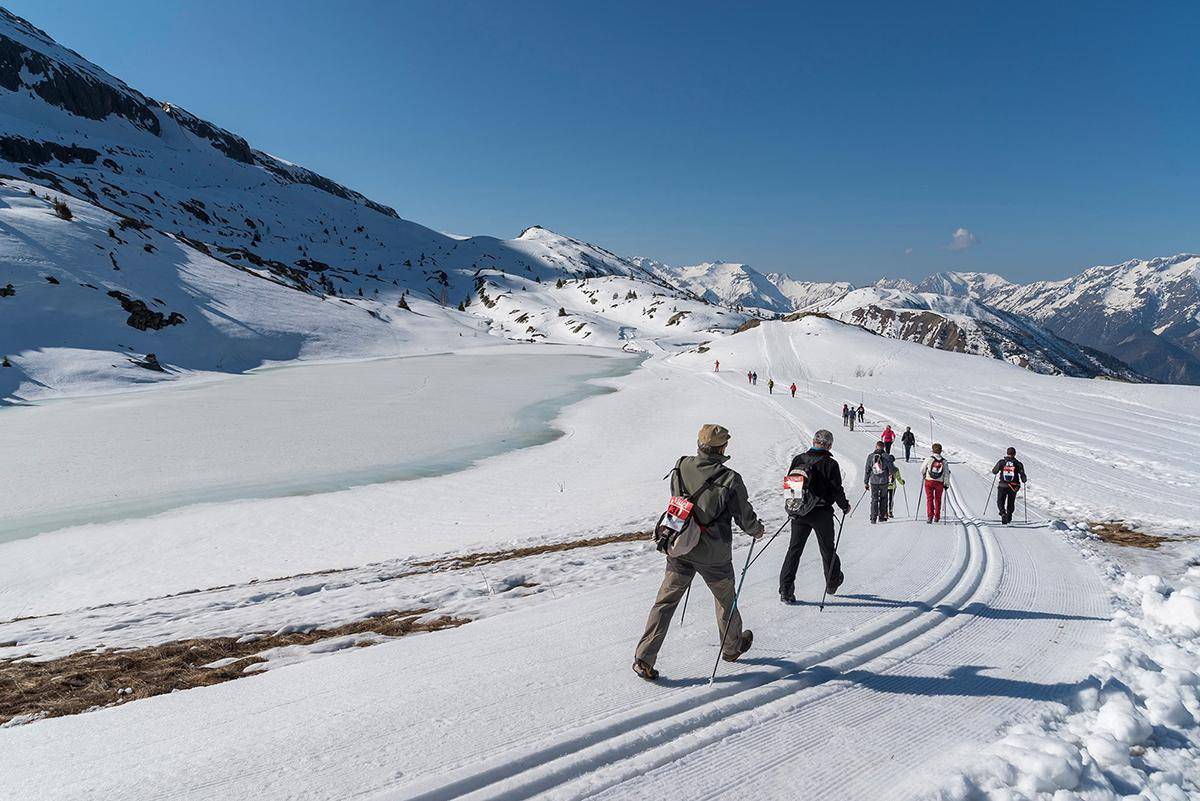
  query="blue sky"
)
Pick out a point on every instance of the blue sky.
point(830, 141)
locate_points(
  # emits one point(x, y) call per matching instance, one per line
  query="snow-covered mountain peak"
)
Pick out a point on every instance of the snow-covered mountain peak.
point(964, 284)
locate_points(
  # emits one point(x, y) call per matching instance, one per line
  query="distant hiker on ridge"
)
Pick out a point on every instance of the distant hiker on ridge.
point(936, 472)
point(887, 437)
point(719, 498)
point(826, 486)
point(909, 439)
point(876, 477)
point(1010, 474)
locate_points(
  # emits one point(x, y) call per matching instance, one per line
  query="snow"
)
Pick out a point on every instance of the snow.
point(943, 637)
point(283, 431)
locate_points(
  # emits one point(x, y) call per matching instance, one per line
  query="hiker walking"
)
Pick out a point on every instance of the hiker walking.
point(719, 499)
point(825, 484)
point(876, 477)
point(770, 386)
point(749, 377)
point(845, 414)
point(717, 366)
point(935, 470)
point(909, 439)
point(754, 378)
point(896, 477)
point(1010, 475)
point(852, 416)
point(793, 388)
point(861, 412)
point(888, 437)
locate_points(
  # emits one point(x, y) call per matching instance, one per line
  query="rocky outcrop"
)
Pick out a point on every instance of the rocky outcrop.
point(142, 317)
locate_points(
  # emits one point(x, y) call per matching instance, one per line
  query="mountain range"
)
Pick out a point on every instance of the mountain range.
point(139, 242)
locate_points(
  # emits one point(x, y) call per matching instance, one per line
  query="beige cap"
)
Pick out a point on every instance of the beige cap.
point(713, 435)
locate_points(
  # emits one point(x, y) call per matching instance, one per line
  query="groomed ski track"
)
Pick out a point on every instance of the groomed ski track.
point(941, 635)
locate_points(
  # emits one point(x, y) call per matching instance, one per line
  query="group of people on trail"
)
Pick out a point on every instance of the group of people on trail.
point(850, 414)
point(752, 377)
point(696, 532)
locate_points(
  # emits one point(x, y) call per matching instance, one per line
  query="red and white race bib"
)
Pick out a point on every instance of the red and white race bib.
point(678, 511)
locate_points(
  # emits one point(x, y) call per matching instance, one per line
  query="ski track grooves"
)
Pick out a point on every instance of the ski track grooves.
point(606, 754)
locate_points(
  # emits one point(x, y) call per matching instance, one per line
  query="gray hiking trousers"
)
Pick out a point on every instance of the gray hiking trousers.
point(720, 581)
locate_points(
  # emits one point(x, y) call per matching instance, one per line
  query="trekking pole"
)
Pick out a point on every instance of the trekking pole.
point(924, 499)
point(773, 536)
point(686, 595)
point(732, 610)
point(856, 503)
point(983, 514)
point(837, 541)
point(1025, 496)
point(904, 489)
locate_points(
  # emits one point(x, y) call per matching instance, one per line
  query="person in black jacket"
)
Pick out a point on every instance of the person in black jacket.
point(826, 485)
point(909, 439)
point(1010, 475)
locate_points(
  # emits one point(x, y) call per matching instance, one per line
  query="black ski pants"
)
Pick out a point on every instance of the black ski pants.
point(1006, 499)
point(879, 502)
point(820, 521)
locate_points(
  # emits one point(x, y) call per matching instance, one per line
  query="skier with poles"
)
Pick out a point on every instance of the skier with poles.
point(888, 437)
point(1010, 474)
point(909, 439)
point(715, 497)
point(876, 476)
point(936, 474)
point(825, 485)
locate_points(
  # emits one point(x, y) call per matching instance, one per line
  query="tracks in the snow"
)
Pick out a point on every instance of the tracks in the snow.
point(609, 751)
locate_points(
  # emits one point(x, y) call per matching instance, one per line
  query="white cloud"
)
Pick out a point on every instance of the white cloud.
point(908, 251)
point(962, 240)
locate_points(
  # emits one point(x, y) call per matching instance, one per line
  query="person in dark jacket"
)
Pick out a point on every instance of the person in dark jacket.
point(845, 414)
point(909, 439)
point(721, 503)
point(826, 486)
point(1010, 475)
point(876, 477)
point(861, 413)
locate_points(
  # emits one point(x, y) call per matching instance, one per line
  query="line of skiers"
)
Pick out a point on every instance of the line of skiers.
point(696, 531)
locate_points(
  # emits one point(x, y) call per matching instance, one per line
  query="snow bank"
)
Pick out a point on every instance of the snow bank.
point(1133, 728)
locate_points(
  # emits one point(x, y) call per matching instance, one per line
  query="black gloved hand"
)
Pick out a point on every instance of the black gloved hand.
point(845, 507)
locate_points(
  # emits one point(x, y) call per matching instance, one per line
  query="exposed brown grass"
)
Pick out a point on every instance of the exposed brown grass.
point(1116, 532)
point(91, 679)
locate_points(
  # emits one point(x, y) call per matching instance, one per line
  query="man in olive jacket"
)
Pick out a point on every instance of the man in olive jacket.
point(721, 503)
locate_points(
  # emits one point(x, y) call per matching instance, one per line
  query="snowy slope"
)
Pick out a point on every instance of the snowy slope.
point(1145, 312)
point(803, 294)
point(942, 636)
point(295, 246)
point(977, 286)
point(967, 326)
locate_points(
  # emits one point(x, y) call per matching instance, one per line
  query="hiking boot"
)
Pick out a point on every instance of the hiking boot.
point(832, 586)
point(787, 598)
point(644, 670)
point(929, 520)
point(743, 646)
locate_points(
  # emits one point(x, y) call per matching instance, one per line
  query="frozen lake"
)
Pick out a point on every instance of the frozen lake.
point(281, 431)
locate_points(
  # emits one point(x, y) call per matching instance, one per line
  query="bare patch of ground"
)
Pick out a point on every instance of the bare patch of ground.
point(1116, 532)
point(92, 679)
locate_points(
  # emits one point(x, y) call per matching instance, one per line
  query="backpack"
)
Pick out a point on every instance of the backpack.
point(937, 468)
point(679, 529)
point(799, 499)
point(877, 465)
point(1008, 471)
